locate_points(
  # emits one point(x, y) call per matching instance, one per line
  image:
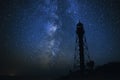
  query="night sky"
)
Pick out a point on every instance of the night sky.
point(41, 34)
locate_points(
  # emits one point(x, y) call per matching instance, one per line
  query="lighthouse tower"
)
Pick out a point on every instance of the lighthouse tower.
point(80, 34)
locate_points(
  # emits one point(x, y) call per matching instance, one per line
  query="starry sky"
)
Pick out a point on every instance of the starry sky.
point(41, 33)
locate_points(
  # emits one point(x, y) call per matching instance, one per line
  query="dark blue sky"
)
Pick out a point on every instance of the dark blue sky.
point(42, 32)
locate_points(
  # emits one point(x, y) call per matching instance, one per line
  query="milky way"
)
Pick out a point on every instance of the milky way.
point(42, 32)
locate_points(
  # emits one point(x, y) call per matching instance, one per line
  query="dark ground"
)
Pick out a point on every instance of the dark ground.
point(109, 71)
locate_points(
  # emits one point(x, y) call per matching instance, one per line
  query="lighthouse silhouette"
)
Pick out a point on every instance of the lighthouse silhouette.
point(80, 33)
